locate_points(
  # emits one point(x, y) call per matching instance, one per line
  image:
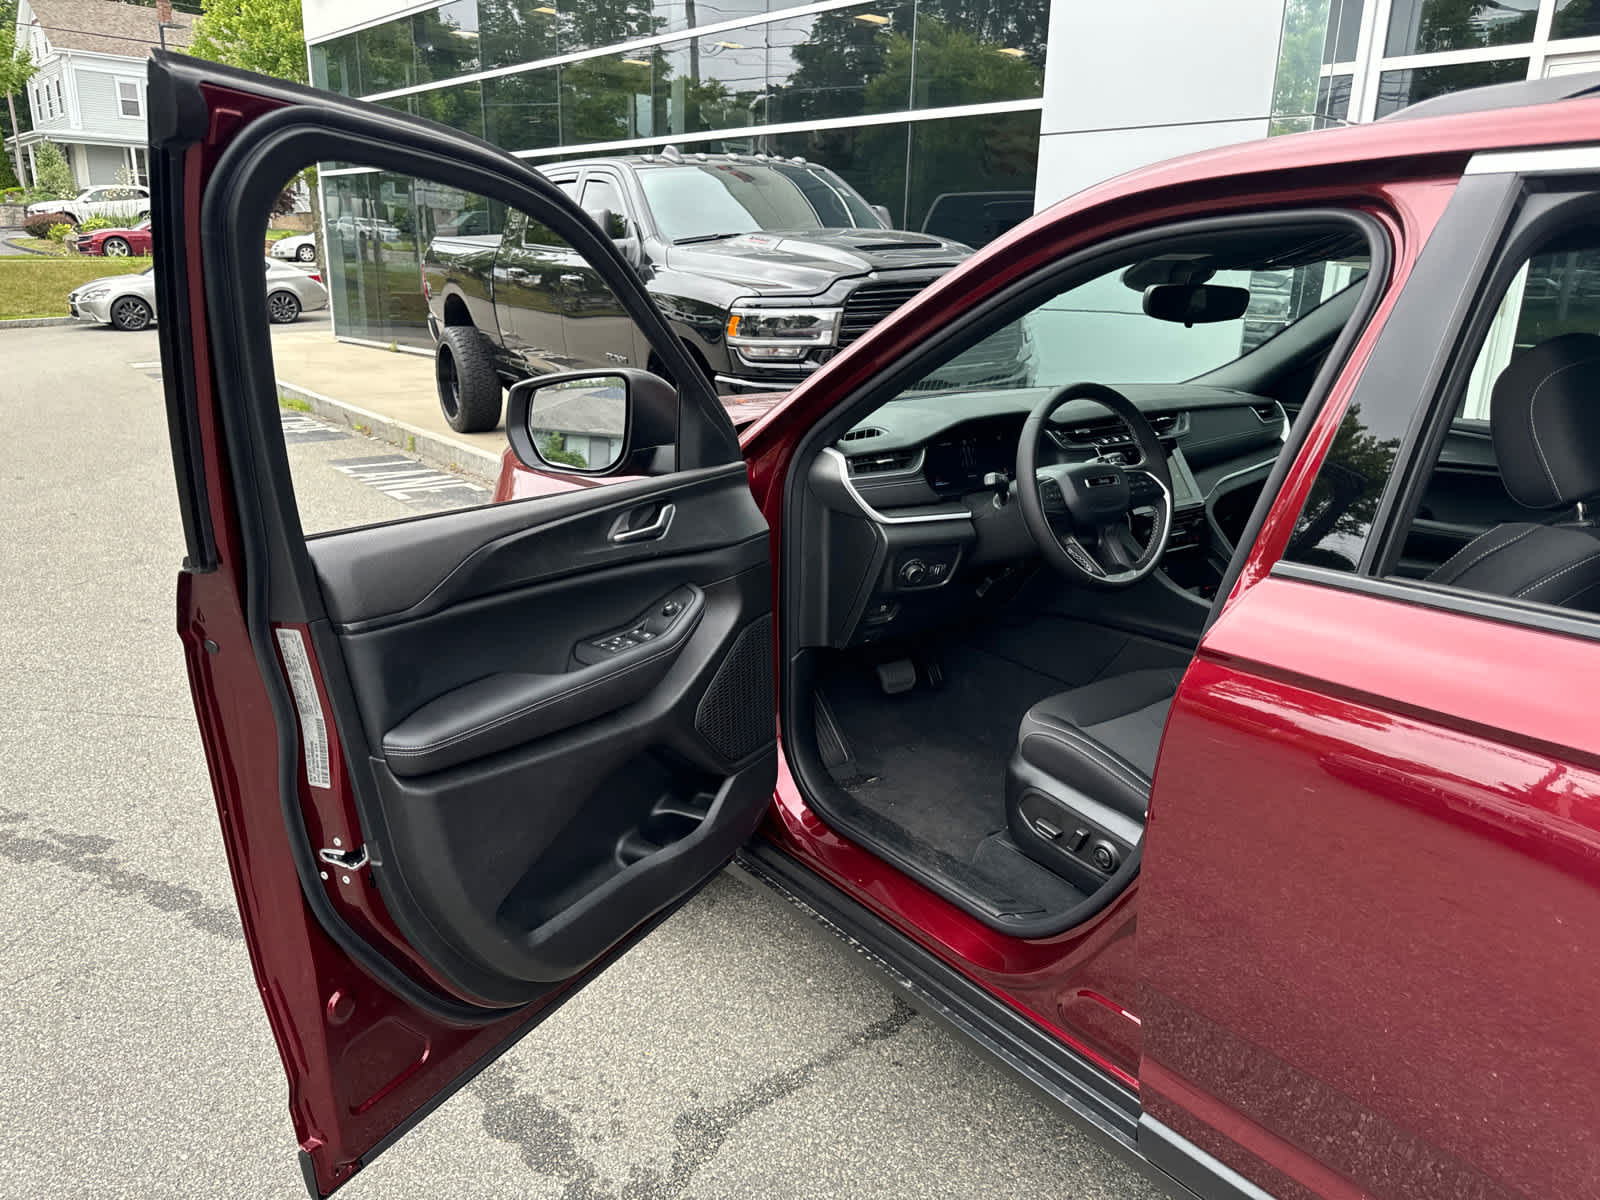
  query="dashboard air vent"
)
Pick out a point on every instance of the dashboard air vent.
point(882, 464)
point(866, 431)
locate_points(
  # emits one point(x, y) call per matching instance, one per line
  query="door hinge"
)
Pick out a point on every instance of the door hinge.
point(345, 860)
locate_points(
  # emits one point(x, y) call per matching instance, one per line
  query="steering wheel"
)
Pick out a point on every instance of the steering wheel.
point(1077, 512)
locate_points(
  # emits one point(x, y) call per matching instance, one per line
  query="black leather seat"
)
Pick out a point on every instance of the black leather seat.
point(1544, 417)
point(1079, 782)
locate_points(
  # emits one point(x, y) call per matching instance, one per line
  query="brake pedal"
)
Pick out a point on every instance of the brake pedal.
point(897, 676)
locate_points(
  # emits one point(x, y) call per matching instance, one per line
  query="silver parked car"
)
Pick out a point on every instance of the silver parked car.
point(129, 301)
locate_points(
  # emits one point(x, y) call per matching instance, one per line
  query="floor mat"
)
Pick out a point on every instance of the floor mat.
point(933, 761)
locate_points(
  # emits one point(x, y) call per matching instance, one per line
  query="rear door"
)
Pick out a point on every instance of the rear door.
point(1369, 890)
point(450, 792)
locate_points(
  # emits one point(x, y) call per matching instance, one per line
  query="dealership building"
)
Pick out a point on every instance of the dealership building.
point(958, 117)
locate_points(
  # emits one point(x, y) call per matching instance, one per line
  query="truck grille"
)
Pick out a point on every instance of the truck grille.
point(871, 303)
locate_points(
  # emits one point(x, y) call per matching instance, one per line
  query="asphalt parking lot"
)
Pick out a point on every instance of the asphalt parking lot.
point(739, 1052)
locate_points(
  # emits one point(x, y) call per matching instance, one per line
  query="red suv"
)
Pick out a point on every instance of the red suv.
point(1279, 567)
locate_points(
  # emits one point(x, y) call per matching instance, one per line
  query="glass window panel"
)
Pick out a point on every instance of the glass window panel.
point(333, 66)
point(1423, 26)
point(1333, 101)
point(518, 31)
point(386, 57)
point(1295, 79)
point(1397, 89)
point(717, 82)
point(521, 112)
point(1576, 18)
point(972, 178)
point(459, 107)
point(446, 41)
point(955, 64)
point(608, 98)
point(1344, 31)
point(840, 64)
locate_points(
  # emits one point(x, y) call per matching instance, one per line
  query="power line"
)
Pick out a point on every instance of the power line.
point(115, 37)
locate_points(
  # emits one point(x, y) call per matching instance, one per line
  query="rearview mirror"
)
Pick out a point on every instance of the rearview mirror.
point(594, 423)
point(882, 213)
point(1195, 303)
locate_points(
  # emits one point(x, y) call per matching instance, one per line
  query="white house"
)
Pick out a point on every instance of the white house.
point(88, 96)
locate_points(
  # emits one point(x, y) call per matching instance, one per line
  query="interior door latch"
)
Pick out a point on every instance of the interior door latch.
point(345, 860)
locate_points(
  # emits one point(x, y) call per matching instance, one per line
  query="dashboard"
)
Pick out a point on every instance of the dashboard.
point(915, 496)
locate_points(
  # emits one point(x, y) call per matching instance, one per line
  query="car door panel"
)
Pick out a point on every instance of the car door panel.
point(445, 807)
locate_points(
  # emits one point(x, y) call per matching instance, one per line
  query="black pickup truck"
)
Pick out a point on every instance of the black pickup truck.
point(765, 267)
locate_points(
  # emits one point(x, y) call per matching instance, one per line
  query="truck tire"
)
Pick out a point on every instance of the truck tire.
point(469, 389)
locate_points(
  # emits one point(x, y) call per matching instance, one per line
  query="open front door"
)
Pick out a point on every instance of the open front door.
point(453, 783)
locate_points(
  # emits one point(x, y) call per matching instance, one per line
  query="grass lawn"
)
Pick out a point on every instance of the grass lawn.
point(44, 246)
point(38, 287)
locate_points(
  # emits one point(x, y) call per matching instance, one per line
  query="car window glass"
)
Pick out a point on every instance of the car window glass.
point(705, 199)
point(380, 424)
point(1508, 506)
point(1098, 328)
point(600, 194)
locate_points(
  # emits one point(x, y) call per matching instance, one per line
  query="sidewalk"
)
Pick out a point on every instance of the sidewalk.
point(385, 394)
point(390, 395)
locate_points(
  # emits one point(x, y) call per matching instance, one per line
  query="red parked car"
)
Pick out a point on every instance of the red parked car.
point(134, 241)
point(1201, 727)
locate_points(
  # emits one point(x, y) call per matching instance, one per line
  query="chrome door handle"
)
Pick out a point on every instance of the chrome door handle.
point(645, 533)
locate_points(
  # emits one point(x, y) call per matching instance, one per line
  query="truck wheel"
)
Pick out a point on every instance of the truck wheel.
point(469, 389)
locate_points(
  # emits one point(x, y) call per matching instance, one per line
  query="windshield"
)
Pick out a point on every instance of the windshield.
point(723, 199)
point(1099, 330)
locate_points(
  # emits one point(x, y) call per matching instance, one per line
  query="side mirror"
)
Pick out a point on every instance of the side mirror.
point(622, 422)
point(882, 213)
point(619, 229)
point(1195, 303)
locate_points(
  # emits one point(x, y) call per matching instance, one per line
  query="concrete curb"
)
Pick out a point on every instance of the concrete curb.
point(31, 250)
point(37, 322)
point(435, 449)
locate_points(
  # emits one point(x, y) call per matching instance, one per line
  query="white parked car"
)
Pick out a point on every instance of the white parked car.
point(117, 200)
point(129, 301)
point(301, 247)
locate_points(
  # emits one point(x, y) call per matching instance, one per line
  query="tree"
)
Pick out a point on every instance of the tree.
point(265, 36)
point(51, 172)
point(16, 68)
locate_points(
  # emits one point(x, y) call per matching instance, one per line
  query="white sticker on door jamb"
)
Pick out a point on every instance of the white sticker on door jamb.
point(313, 729)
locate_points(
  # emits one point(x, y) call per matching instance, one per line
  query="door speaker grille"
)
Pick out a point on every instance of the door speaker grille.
point(737, 715)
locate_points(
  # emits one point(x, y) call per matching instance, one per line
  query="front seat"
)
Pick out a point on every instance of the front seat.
point(1078, 782)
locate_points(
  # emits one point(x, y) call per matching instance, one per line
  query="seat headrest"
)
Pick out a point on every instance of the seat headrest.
point(1544, 415)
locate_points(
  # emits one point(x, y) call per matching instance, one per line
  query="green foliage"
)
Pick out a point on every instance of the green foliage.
point(58, 232)
point(265, 36)
point(94, 223)
point(8, 176)
point(54, 176)
point(16, 68)
point(38, 227)
point(1294, 87)
point(553, 449)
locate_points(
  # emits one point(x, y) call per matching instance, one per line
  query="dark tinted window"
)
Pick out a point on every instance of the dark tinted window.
point(1576, 18)
point(1344, 31)
point(1337, 517)
point(718, 198)
point(1397, 89)
point(1423, 26)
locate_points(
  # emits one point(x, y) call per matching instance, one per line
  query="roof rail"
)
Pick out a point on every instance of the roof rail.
point(1503, 95)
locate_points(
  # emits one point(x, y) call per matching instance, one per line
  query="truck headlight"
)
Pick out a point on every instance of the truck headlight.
point(780, 334)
